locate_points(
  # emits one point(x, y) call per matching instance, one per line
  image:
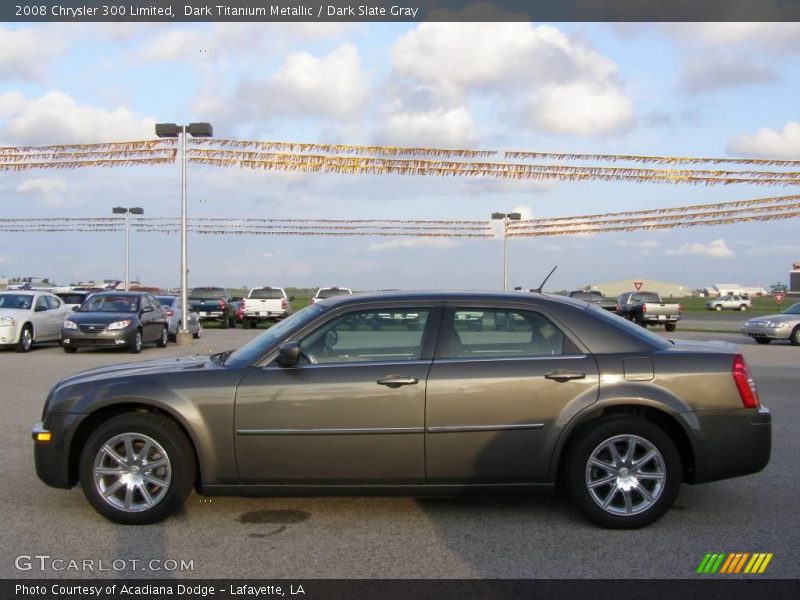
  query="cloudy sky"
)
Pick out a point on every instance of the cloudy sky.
point(657, 89)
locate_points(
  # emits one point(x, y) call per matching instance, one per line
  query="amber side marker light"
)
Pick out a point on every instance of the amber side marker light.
point(44, 436)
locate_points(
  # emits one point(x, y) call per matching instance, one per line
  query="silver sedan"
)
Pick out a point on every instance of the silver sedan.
point(173, 306)
point(783, 326)
point(29, 316)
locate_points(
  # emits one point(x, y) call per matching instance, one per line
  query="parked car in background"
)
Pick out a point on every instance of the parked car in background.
point(213, 304)
point(116, 320)
point(75, 297)
point(265, 303)
point(594, 297)
point(783, 326)
point(647, 309)
point(570, 395)
point(730, 302)
point(330, 292)
point(30, 317)
point(172, 304)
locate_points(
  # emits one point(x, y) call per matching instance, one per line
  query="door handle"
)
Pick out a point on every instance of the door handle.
point(563, 375)
point(394, 381)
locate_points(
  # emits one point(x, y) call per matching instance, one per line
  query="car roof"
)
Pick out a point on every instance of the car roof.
point(122, 293)
point(451, 296)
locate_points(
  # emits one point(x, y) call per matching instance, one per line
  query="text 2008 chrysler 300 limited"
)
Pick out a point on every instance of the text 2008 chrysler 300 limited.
point(547, 391)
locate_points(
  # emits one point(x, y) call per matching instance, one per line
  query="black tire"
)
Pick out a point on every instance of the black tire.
point(795, 337)
point(669, 326)
point(253, 324)
point(224, 323)
point(136, 342)
point(196, 335)
point(762, 340)
point(69, 350)
point(645, 434)
point(25, 341)
point(178, 473)
point(164, 339)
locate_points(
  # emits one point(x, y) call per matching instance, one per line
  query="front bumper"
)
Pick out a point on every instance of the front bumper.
point(118, 338)
point(52, 457)
point(731, 442)
point(772, 333)
point(9, 334)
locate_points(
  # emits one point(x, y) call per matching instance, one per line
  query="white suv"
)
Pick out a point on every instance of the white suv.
point(730, 302)
point(264, 303)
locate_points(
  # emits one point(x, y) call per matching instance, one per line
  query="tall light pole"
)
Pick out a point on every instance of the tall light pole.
point(134, 210)
point(505, 217)
point(171, 130)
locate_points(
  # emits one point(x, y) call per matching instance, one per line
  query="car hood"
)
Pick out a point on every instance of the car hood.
point(100, 318)
point(14, 313)
point(146, 367)
point(781, 318)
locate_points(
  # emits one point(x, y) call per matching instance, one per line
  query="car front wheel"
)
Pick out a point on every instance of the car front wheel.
point(25, 339)
point(136, 342)
point(718, 307)
point(795, 337)
point(163, 340)
point(137, 468)
point(625, 473)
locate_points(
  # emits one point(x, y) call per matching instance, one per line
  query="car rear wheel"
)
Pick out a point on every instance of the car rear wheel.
point(25, 339)
point(795, 337)
point(718, 307)
point(625, 473)
point(136, 342)
point(669, 326)
point(198, 332)
point(762, 340)
point(137, 468)
point(253, 324)
point(743, 307)
point(164, 339)
point(224, 323)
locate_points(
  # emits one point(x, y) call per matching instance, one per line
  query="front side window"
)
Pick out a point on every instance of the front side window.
point(503, 333)
point(368, 336)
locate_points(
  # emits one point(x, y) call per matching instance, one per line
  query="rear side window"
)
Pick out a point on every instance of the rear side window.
point(266, 294)
point(503, 333)
point(52, 302)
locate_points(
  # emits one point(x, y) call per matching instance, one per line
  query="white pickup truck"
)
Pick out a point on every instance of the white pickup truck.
point(265, 303)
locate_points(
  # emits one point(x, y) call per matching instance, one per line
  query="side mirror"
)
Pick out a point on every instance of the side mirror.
point(76, 308)
point(291, 298)
point(289, 354)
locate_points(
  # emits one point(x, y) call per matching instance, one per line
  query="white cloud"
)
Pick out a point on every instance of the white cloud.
point(714, 249)
point(566, 86)
point(413, 243)
point(174, 44)
point(438, 127)
point(781, 38)
point(709, 73)
point(26, 53)
point(332, 86)
point(49, 191)
point(769, 142)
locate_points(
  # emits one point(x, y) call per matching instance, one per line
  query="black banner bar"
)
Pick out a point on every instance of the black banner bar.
point(399, 10)
point(701, 588)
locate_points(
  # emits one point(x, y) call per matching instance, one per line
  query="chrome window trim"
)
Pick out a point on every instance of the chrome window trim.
point(510, 358)
point(367, 363)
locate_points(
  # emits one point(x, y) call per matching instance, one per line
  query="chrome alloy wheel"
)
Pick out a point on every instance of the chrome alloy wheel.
point(625, 475)
point(132, 472)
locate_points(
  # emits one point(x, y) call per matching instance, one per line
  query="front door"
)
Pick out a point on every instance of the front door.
point(502, 380)
point(353, 410)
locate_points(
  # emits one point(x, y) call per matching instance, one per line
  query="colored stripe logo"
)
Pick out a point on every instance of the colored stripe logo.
point(733, 563)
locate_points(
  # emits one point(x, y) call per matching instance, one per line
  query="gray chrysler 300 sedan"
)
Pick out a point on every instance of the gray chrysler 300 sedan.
point(547, 391)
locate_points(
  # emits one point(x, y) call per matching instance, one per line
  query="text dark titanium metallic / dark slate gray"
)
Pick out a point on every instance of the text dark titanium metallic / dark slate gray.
point(487, 391)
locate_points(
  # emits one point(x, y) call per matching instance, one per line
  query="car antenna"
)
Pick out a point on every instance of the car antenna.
point(541, 285)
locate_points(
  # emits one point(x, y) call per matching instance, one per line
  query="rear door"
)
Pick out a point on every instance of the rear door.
point(499, 389)
point(353, 412)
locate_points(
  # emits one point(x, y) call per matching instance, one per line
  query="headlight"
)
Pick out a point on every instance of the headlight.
point(119, 325)
point(70, 325)
point(7, 322)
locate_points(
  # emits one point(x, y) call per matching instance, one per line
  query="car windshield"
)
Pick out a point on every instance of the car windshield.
point(18, 301)
point(793, 310)
point(207, 293)
point(116, 303)
point(630, 328)
point(331, 292)
point(258, 346)
point(166, 300)
point(266, 294)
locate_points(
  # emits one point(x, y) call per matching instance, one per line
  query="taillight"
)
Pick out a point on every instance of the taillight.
point(283, 304)
point(170, 313)
point(241, 305)
point(680, 309)
point(222, 304)
point(644, 308)
point(745, 383)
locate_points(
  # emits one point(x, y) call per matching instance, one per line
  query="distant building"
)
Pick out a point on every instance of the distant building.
point(794, 278)
point(662, 288)
point(3, 283)
point(723, 289)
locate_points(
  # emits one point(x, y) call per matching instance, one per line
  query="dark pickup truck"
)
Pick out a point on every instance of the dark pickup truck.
point(646, 308)
point(595, 298)
point(213, 304)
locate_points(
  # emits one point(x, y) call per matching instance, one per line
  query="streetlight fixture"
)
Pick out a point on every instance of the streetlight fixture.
point(505, 217)
point(121, 210)
point(171, 130)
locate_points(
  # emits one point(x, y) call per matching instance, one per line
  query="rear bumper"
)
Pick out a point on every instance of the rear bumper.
point(730, 443)
point(263, 315)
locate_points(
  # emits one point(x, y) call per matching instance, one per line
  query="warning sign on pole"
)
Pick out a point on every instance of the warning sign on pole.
point(638, 285)
point(778, 296)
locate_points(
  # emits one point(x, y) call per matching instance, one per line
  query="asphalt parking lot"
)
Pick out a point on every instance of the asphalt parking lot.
point(539, 537)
